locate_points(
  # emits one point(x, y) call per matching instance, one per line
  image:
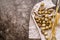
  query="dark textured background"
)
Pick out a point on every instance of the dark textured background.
point(14, 19)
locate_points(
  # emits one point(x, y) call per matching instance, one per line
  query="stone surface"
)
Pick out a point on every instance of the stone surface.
point(14, 19)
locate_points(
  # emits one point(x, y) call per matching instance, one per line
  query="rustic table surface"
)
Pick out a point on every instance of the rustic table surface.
point(14, 19)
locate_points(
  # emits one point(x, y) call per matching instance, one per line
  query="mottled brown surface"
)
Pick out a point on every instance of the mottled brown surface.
point(14, 19)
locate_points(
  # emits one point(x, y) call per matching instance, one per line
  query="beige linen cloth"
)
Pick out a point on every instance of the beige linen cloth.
point(33, 31)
